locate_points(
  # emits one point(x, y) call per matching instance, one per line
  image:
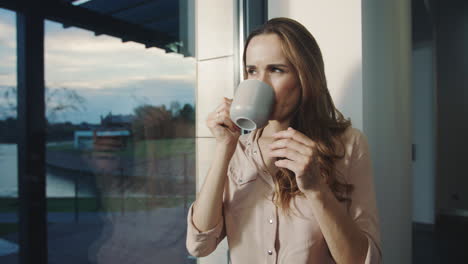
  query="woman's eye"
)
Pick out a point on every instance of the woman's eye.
point(277, 70)
point(250, 71)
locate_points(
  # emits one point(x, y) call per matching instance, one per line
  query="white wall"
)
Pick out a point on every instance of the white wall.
point(214, 29)
point(336, 25)
point(387, 118)
point(423, 134)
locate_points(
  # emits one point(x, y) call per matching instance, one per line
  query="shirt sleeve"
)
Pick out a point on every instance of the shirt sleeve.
point(363, 209)
point(201, 244)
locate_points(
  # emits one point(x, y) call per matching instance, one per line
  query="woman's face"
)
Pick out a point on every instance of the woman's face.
point(266, 62)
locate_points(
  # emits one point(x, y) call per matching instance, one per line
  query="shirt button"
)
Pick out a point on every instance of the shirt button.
point(240, 180)
point(270, 221)
point(270, 252)
point(255, 152)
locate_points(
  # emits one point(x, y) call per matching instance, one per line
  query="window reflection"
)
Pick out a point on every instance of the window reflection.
point(120, 148)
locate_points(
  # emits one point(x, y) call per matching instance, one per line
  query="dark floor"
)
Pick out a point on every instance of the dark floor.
point(155, 236)
point(445, 243)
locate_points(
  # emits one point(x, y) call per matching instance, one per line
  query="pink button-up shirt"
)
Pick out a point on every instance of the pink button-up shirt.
point(253, 224)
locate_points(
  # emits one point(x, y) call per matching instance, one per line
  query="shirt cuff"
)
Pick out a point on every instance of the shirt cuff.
point(200, 236)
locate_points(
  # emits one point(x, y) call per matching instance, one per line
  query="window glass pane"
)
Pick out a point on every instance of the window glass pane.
point(8, 143)
point(120, 149)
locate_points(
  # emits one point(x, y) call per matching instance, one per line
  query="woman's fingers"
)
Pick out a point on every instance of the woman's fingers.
point(289, 154)
point(295, 135)
point(222, 117)
point(225, 105)
point(287, 164)
point(291, 144)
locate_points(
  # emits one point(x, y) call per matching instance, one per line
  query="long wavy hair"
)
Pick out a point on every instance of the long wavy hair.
point(315, 116)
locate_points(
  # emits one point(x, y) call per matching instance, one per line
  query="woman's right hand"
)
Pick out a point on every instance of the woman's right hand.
point(221, 126)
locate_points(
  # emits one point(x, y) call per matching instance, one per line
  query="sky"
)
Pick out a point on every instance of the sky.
point(110, 75)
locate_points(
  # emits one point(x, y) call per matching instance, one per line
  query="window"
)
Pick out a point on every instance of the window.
point(120, 123)
point(120, 148)
point(8, 140)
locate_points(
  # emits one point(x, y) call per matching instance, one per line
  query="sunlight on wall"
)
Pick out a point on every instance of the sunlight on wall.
point(336, 25)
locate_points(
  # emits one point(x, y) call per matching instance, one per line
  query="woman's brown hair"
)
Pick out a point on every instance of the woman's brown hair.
point(316, 115)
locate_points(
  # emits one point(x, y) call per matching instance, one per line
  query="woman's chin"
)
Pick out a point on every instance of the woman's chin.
point(276, 118)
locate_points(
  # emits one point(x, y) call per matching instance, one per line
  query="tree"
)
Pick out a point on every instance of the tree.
point(175, 108)
point(151, 122)
point(59, 102)
point(8, 104)
point(188, 113)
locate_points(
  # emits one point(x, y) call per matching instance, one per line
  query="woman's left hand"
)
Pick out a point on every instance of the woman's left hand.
point(301, 158)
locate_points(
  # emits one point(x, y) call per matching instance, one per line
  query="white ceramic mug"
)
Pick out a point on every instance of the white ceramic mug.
point(252, 104)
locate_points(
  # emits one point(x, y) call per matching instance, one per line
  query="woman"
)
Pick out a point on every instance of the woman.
point(299, 190)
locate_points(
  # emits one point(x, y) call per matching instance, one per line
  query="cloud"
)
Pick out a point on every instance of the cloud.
point(72, 41)
point(8, 34)
point(111, 85)
point(7, 79)
point(151, 88)
point(110, 75)
point(7, 48)
point(123, 99)
point(76, 58)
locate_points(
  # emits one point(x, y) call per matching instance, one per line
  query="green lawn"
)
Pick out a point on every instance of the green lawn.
point(141, 149)
point(161, 147)
point(63, 146)
point(109, 204)
point(149, 148)
point(7, 228)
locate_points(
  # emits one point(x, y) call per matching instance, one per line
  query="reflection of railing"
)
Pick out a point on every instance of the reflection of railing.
point(123, 174)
